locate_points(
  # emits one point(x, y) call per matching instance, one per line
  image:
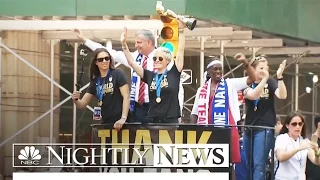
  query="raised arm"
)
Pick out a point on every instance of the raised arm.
point(118, 56)
point(251, 72)
point(128, 55)
point(254, 93)
point(281, 91)
point(180, 54)
point(90, 44)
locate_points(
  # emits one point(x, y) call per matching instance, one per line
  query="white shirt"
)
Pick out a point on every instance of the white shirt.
point(119, 57)
point(295, 167)
point(234, 85)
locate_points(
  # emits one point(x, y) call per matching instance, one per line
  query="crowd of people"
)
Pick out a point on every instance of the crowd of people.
point(155, 95)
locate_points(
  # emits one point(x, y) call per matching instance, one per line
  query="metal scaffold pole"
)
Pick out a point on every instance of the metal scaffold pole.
point(52, 43)
point(75, 71)
point(296, 91)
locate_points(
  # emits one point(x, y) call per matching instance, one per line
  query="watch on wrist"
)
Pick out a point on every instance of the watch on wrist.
point(280, 79)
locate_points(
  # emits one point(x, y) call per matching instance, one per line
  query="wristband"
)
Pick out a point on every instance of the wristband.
point(280, 79)
point(317, 153)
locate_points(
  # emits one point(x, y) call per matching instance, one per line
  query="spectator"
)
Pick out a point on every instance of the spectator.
point(292, 149)
point(313, 171)
point(278, 125)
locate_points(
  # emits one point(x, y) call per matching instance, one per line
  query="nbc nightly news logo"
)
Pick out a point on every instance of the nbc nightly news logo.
point(122, 155)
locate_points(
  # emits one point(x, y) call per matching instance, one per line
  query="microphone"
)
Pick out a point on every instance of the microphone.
point(83, 53)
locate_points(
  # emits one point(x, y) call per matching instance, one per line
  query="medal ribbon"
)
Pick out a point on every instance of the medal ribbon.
point(257, 100)
point(100, 86)
point(158, 82)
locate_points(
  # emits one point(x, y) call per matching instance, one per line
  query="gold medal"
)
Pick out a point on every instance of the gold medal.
point(255, 108)
point(99, 103)
point(158, 100)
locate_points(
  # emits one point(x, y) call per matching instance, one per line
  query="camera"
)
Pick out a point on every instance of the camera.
point(83, 52)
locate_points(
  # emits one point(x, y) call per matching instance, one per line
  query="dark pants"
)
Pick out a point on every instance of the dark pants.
point(140, 113)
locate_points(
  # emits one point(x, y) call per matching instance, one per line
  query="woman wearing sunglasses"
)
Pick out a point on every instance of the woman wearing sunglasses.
point(110, 86)
point(163, 84)
point(292, 149)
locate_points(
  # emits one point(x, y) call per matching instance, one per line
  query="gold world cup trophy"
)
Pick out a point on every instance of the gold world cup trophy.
point(189, 22)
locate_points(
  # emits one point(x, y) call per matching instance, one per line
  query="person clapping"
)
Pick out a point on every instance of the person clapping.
point(292, 149)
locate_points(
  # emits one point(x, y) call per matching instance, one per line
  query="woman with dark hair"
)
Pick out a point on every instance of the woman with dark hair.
point(110, 86)
point(292, 149)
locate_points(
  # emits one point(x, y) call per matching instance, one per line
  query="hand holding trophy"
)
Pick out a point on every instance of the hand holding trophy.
point(190, 23)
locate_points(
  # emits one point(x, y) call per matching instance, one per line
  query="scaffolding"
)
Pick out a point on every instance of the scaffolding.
point(219, 41)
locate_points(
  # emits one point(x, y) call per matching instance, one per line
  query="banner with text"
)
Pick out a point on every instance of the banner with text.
point(136, 148)
point(188, 148)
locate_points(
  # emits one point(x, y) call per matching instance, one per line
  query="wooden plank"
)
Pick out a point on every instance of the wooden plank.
point(236, 35)
point(216, 32)
point(264, 51)
point(80, 24)
point(237, 43)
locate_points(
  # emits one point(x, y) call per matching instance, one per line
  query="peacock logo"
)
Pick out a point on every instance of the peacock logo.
point(29, 156)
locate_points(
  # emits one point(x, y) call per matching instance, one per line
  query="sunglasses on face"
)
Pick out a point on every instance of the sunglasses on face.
point(155, 58)
point(107, 58)
point(295, 124)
